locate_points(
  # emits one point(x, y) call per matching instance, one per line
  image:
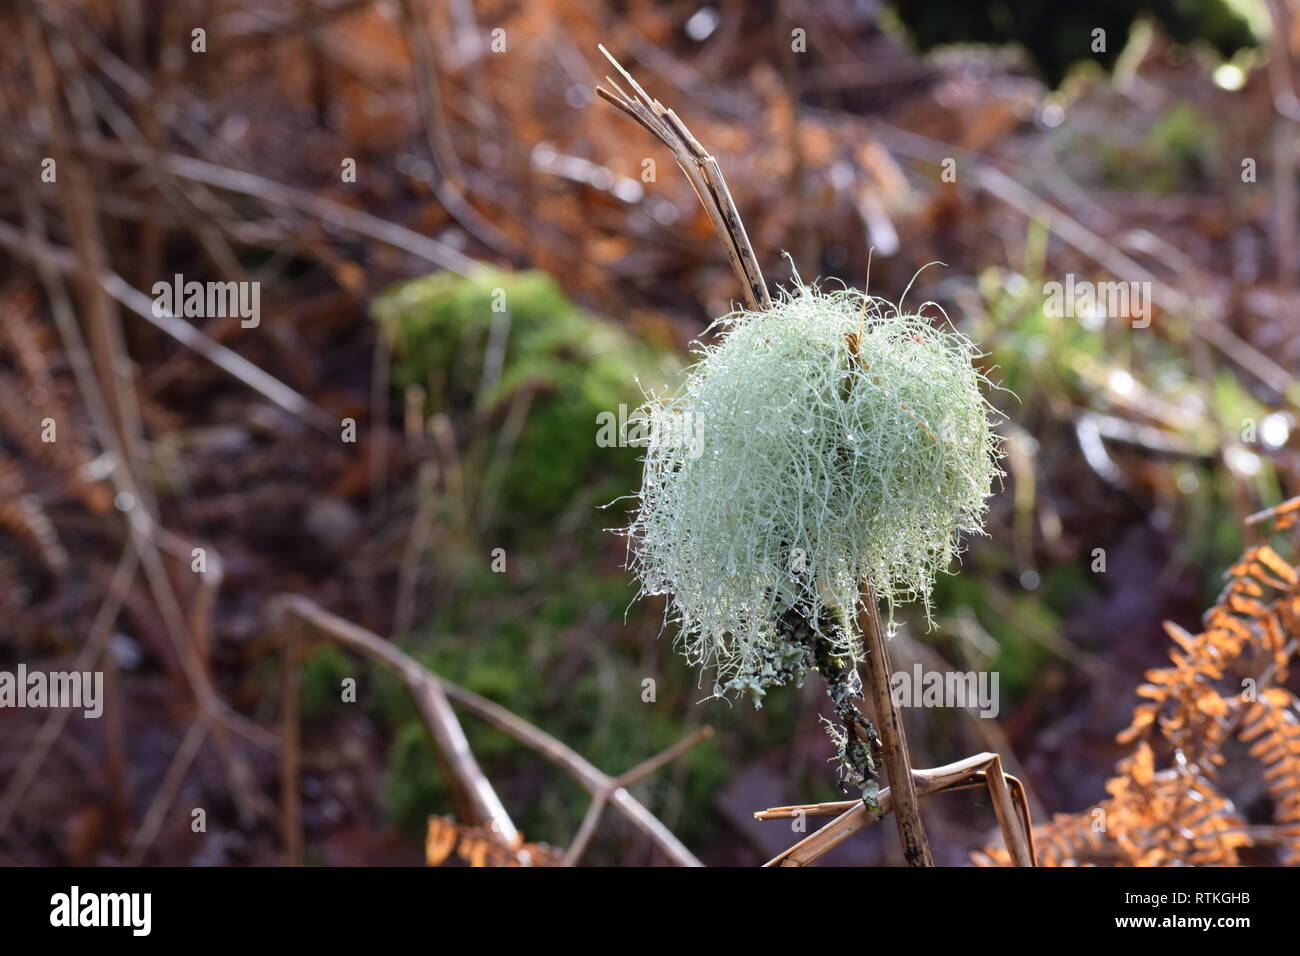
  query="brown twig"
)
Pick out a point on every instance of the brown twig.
point(476, 800)
point(292, 612)
point(448, 176)
point(100, 631)
point(600, 799)
point(87, 260)
point(893, 739)
point(167, 791)
point(1286, 507)
point(578, 767)
point(1009, 804)
point(290, 756)
point(704, 174)
point(113, 432)
point(124, 293)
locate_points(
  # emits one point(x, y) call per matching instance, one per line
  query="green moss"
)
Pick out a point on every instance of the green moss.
point(323, 673)
point(439, 325)
point(576, 367)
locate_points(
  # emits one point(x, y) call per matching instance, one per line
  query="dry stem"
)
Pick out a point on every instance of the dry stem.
point(982, 770)
point(297, 617)
point(893, 740)
point(705, 176)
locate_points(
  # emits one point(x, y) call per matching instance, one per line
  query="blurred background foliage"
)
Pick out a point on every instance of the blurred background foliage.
point(1056, 38)
point(472, 522)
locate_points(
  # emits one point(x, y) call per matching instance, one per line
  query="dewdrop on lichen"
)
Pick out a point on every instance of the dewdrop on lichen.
point(839, 440)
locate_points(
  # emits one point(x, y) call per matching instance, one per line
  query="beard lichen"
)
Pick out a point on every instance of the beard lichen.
point(836, 440)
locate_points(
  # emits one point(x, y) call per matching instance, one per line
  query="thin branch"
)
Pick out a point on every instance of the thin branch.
point(290, 756)
point(88, 257)
point(448, 188)
point(313, 621)
point(170, 787)
point(705, 176)
point(268, 190)
point(893, 740)
point(228, 361)
point(36, 752)
point(591, 819)
point(664, 758)
point(586, 830)
point(1010, 806)
point(143, 534)
point(476, 798)
point(1286, 507)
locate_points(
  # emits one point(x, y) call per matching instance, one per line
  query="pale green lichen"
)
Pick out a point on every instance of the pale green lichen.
point(828, 441)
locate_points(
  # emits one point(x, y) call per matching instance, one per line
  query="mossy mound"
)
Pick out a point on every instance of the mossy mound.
point(445, 330)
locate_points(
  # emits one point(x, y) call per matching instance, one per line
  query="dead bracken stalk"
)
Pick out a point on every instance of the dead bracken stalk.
point(893, 739)
point(704, 174)
point(706, 178)
point(710, 186)
point(1010, 805)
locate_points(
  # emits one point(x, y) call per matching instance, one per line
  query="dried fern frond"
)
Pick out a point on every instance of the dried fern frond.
point(480, 846)
point(1272, 727)
point(1211, 692)
point(1172, 817)
point(22, 516)
point(21, 414)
